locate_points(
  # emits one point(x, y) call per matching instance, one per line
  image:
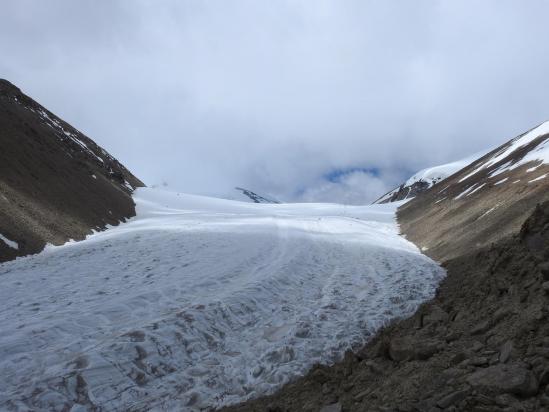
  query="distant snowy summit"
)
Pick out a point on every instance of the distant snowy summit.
point(423, 180)
point(248, 195)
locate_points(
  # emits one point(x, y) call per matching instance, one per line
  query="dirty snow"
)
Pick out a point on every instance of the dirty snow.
point(200, 302)
point(10, 243)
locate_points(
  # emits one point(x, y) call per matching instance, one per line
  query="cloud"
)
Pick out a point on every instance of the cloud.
point(275, 95)
point(355, 187)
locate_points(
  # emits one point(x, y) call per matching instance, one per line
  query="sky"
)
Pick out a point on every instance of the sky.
point(315, 100)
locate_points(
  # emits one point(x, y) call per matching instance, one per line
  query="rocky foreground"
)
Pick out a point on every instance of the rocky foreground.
point(482, 344)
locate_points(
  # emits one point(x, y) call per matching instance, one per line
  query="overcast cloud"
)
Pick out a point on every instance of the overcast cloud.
point(276, 95)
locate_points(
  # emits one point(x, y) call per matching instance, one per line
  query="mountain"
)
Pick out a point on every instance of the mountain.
point(254, 197)
point(423, 180)
point(56, 184)
point(485, 201)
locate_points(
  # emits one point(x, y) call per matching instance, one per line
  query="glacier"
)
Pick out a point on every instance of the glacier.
point(199, 302)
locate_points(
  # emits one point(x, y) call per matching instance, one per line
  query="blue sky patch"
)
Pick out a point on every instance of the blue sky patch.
point(336, 175)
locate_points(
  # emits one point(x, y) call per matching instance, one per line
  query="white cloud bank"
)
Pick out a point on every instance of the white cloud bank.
point(275, 94)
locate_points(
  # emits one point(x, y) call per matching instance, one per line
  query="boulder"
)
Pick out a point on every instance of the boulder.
point(405, 349)
point(480, 328)
point(504, 378)
point(334, 407)
point(505, 352)
point(544, 269)
point(452, 399)
point(436, 315)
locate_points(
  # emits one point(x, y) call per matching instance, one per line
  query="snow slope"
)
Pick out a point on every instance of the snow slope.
point(424, 179)
point(200, 302)
point(433, 175)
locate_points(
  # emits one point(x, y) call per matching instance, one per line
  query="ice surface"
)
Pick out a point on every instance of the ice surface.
point(201, 302)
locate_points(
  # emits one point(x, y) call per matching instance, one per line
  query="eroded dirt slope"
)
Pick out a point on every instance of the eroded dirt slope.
point(56, 184)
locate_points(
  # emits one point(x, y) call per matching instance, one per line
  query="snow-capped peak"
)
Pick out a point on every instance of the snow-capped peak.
point(424, 179)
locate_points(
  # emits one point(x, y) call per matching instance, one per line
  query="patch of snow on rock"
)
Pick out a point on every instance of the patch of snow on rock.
point(8, 242)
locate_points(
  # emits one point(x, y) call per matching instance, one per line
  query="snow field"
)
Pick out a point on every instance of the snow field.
point(200, 302)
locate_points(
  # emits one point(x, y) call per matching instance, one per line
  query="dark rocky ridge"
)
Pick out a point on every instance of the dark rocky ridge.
point(254, 197)
point(48, 192)
point(404, 192)
point(482, 344)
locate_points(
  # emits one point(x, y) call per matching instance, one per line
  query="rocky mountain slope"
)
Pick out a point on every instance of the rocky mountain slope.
point(483, 202)
point(56, 184)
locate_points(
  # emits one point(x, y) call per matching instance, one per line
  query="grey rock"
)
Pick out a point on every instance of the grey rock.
point(406, 349)
point(504, 400)
point(452, 336)
point(374, 367)
point(480, 328)
point(545, 286)
point(544, 269)
point(452, 399)
point(505, 351)
point(436, 315)
point(502, 313)
point(504, 378)
point(334, 407)
point(478, 361)
point(359, 396)
point(544, 377)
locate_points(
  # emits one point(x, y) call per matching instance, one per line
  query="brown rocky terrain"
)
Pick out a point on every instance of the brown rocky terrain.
point(56, 184)
point(482, 344)
point(480, 204)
